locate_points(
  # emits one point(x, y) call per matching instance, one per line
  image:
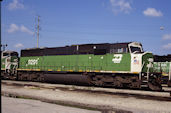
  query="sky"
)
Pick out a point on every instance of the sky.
point(71, 22)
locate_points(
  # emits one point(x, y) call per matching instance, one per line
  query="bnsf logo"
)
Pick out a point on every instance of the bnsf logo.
point(32, 62)
point(117, 58)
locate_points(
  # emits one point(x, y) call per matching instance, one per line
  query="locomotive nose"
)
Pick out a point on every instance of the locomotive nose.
point(147, 60)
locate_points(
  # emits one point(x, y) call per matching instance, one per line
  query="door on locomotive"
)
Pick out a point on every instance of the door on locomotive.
point(136, 51)
point(9, 62)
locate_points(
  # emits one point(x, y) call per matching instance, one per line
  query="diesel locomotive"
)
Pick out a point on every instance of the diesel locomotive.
point(105, 64)
point(162, 64)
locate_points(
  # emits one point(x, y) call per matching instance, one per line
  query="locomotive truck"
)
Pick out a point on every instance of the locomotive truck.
point(105, 64)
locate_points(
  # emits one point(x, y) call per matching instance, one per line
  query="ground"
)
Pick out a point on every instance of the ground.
point(18, 105)
point(91, 99)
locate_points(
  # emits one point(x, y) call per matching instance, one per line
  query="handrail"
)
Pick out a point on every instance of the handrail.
point(170, 72)
point(141, 71)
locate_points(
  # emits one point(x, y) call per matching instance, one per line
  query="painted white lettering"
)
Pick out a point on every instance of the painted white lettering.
point(117, 58)
point(32, 62)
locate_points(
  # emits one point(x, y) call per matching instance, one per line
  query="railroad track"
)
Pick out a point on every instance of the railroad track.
point(151, 95)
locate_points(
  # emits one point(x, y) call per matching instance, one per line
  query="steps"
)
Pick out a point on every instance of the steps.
point(144, 81)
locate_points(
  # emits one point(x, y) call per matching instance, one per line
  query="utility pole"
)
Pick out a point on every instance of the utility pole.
point(0, 23)
point(0, 42)
point(37, 29)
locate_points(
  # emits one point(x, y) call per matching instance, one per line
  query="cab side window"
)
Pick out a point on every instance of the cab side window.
point(14, 54)
point(5, 54)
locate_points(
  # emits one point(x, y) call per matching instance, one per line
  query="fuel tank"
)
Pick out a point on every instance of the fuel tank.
point(65, 78)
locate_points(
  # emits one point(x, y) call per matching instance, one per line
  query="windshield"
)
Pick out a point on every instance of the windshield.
point(5, 54)
point(14, 54)
point(133, 49)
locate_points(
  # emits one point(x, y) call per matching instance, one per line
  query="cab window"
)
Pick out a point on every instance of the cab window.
point(14, 54)
point(133, 49)
point(5, 54)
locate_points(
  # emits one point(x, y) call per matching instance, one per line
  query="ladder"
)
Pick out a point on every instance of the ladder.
point(144, 77)
point(144, 80)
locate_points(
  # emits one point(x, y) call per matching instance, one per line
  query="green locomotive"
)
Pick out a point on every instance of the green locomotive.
point(165, 69)
point(107, 64)
point(9, 63)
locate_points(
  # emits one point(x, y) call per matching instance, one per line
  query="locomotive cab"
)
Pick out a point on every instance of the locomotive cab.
point(9, 53)
point(140, 61)
point(9, 62)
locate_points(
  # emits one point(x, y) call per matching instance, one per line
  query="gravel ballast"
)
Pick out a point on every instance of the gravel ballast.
point(89, 100)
